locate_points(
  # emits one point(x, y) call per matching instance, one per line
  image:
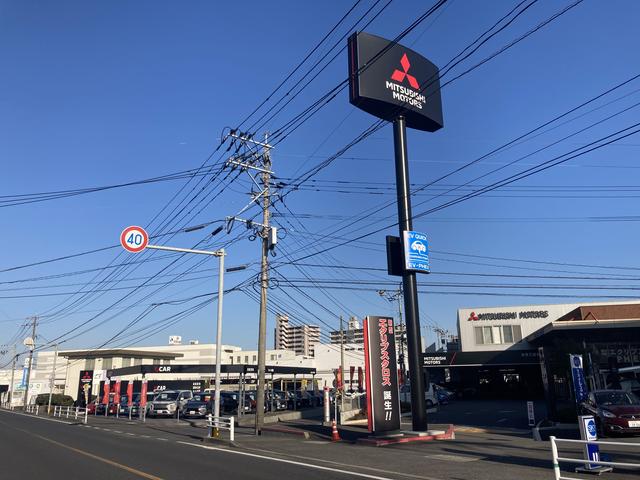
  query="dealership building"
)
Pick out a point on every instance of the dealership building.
point(523, 351)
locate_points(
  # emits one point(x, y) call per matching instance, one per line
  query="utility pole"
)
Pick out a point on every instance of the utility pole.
point(259, 162)
point(53, 379)
point(403, 335)
point(34, 322)
point(341, 367)
point(13, 371)
point(264, 285)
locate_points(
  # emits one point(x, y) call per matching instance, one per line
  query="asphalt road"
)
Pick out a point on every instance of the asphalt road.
point(110, 448)
point(34, 448)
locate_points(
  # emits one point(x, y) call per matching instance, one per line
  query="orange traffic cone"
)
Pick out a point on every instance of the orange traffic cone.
point(335, 436)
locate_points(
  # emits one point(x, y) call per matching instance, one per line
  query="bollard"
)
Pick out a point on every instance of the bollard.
point(232, 429)
point(37, 409)
point(86, 414)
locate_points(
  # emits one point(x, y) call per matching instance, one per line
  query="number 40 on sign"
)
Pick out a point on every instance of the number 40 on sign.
point(134, 239)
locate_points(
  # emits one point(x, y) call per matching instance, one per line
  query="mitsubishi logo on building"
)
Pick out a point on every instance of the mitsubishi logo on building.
point(399, 76)
point(473, 317)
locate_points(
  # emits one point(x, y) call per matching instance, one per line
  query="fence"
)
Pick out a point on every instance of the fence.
point(221, 423)
point(581, 461)
point(75, 412)
point(32, 409)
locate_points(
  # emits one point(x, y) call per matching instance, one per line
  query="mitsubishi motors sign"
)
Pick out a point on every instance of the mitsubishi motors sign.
point(388, 80)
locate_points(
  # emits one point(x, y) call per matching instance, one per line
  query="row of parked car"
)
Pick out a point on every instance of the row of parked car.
point(184, 403)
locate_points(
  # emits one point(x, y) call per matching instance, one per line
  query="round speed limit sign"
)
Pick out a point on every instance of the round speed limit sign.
point(134, 239)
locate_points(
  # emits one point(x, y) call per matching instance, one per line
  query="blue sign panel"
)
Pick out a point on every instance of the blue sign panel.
point(577, 374)
point(416, 252)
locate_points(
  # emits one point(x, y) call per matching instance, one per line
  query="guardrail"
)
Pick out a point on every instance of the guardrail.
point(557, 459)
point(32, 409)
point(215, 424)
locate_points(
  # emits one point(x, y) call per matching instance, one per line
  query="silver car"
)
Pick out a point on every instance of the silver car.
point(169, 402)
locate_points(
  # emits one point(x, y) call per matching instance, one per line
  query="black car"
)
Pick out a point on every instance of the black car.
point(199, 406)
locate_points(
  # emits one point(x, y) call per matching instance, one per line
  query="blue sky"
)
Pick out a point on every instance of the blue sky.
point(101, 93)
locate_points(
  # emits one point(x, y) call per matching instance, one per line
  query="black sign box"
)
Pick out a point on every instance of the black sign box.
point(388, 80)
point(383, 398)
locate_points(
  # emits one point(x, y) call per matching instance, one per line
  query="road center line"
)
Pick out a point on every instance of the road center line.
point(282, 460)
point(88, 454)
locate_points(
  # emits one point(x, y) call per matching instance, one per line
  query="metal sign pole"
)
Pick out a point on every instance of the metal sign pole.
point(409, 284)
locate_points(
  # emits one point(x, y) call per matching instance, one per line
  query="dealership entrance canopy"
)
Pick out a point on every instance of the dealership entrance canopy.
point(208, 369)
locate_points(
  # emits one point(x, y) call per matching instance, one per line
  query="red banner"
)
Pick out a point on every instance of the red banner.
point(105, 397)
point(116, 393)
point(143, 394)
point(130, 393)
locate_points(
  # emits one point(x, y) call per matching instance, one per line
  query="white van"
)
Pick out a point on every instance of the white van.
point(430, 395)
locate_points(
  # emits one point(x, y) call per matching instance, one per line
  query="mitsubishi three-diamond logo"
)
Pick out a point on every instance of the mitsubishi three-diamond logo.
point(399, 76)
point(407, 95)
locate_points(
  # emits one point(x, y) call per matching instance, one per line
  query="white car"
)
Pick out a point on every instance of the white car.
point(430, 396)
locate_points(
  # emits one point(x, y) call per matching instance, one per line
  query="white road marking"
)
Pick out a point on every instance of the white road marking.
point(117, 431)
point(502, 420)
point(282, 460)
point(132, 434)
point(452, 458)
point(507, 411)
point(163, 439)
point(361, 467)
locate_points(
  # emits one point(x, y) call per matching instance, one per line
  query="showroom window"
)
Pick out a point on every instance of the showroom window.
point(498, 335)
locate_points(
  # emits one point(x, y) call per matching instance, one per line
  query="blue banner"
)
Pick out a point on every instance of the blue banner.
point(577, 374)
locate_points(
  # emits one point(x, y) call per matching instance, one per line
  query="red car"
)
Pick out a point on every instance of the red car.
point(615, 411)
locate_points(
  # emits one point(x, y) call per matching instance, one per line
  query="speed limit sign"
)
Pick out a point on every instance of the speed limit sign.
point(134, 239)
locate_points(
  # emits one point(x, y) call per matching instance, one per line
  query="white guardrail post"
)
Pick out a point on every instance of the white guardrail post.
point(232, 428)
point(554, 455)
point(581, 461)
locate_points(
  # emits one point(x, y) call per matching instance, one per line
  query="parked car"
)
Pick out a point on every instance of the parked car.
point(199, 406)
point(444, 396)
point(430, 396)
point(135, 407)
point(278, 399)
point(631, 385)
point(615, 411)
point(168, 403)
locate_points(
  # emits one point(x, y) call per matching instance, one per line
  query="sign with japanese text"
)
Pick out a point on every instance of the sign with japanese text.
point(381, 375)
point(579, 383)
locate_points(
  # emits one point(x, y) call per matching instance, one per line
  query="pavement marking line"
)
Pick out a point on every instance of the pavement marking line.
point(332, 462)
point(452, 458)
point(101, 459)
point(292, 462)
point(502, 420)
point(39, 418)
point(87, 454)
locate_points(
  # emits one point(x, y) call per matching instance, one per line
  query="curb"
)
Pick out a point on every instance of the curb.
point(381, 442)
point(287, 430)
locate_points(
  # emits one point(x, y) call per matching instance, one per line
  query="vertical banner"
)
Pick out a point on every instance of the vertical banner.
point(85, 384)
point(130, 393)
point(105, 396)
point(143, 395)
point(116, 392)
point(383, 398)
point(577, 374)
